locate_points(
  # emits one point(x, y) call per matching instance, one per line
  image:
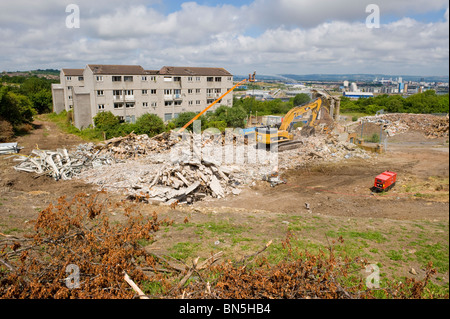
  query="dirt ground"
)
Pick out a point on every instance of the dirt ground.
point(338, 196)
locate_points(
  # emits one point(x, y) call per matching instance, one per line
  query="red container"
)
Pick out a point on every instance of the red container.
point(385, 181)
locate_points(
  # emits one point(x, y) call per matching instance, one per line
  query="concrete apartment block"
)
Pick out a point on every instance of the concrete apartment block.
point(129, 91)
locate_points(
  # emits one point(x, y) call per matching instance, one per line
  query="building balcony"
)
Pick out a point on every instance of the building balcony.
point(120, 98)
point(171, 97)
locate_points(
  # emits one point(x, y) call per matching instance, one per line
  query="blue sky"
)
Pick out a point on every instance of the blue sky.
point(269, 36)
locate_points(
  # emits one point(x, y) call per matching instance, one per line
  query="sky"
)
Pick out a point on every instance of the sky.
point(267, 36)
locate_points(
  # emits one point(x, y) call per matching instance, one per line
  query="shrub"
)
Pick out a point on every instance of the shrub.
point(149, 124)
point(105, 121)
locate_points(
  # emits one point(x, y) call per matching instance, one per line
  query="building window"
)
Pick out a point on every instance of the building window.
point(129, 105)
point(189, 78)
point(117, 78)
point(128, 78)
point(197, 78)
point(154, 104)
point(153, 78)
point(198, 102)
point(144, 92)
point(80, 78)
point(167, 116)
point(168, 79)
point(197, 91)
point(144, 104)
point(100, 93)
point(153, 91)
point(190, 91)
point(229, 78)
point(210, 79)
point(118, 105)
point(177, 78)
point(167, 91)
point(177, 103)
point(117, 92)
point(128, 92)
point(69, 88)
point(168, 103)
point(101, 107)
point(218, 90)
point(218, 79)
point(144, 78)
point(99, 78)
point(69, 97)
point(130, 119)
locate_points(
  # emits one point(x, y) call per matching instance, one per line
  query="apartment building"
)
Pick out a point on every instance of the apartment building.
point(129, 91)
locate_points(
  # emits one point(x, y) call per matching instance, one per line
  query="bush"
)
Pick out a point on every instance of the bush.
point(375, 138)
point(149, 124)
point(301, 98)
point(106, 121)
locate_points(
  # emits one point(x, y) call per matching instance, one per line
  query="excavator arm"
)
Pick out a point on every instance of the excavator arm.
point(299, 110)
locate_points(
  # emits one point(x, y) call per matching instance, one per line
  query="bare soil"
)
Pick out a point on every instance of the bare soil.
point(317, 199)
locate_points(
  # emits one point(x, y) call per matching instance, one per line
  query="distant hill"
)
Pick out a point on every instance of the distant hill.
point(343, 77)
point(47, 73)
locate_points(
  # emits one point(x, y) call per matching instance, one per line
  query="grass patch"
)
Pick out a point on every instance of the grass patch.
point(183, 250)
point(395, 255)
point(222, 227)
point(61, 120)
point(368, 235)
point(437, 253)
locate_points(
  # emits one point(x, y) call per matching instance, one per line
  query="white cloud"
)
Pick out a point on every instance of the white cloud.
point(303, 36)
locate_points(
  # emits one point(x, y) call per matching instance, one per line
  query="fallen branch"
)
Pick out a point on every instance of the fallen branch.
point(135, 287)
point(254, 254)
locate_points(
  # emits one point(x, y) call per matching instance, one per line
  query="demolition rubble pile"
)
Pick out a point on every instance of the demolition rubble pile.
point(185, 174)
point(61, 164)
point(323, 148)
point(169, 169)
point(132, 145)
point(431, 126)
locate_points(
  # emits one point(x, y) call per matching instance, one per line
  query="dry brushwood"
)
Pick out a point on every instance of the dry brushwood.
point(113, 264)
point(302, 275)
point(78, 232)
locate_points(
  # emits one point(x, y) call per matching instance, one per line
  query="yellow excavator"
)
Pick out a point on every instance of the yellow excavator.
point(282, 138)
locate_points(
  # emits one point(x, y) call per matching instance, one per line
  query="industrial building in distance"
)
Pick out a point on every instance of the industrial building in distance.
point(129, 91)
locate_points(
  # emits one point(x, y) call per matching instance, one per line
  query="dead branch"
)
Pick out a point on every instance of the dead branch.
point(135, 287)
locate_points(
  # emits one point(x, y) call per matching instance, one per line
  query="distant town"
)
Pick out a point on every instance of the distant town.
point(287, 86)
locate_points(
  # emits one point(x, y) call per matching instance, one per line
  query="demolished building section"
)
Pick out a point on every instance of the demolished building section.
point(431, 126)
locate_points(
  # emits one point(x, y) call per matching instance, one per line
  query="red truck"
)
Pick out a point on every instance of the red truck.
point(385, 181)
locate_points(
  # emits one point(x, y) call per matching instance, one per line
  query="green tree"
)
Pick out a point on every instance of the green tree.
point(149, 124)
point(301, 98)
point(15, 108)
point(42, 101)
point(185, 117)
point(106, 121)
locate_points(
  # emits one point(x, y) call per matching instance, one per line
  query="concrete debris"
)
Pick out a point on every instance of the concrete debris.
point(323, 148)
point(431, 126)
point(61, 164)
point(133, 146)
point(172, 170)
